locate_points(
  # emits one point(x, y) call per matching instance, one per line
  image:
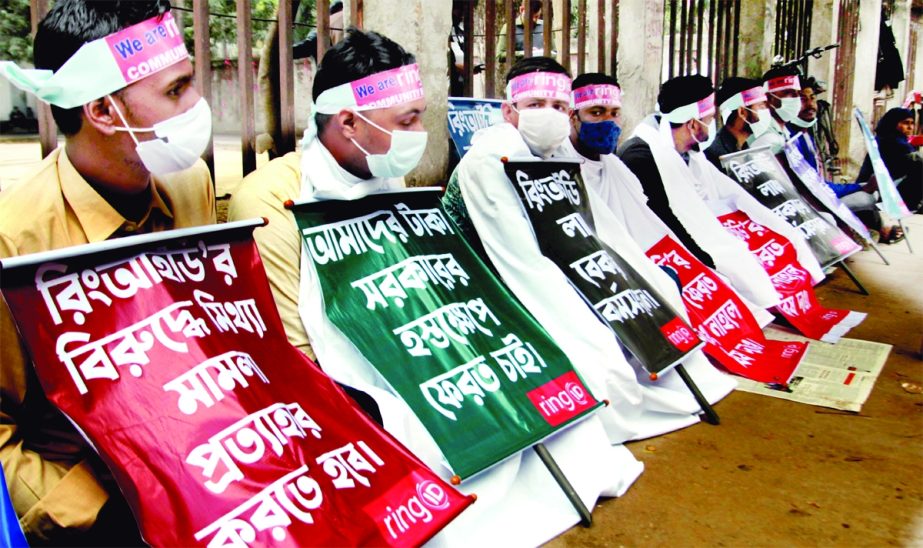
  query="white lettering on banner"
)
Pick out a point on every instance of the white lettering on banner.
point(128, 346)
point(452, 321)
point(518, 359)
point(425, 221)
point(294, 495)
point(672, 258)
point(627, 305)
point(345, 464)
point(574, 223)
point(796, 304)
point(771, 188)
point(467, 121)
point(769, 252)
point(790, 208)
point(412, 273)
point(429, 496)
point(554, 188)
point(744, 171)
point(73, 292)
point(743, 229)
point(474, 379)
point(813, 227)
point(724, 320)
point(699, 290)
point(231, 315)
point(744, 352)
point(245, 442)
point(198, 385)
point(595, 266)
point(334, 241)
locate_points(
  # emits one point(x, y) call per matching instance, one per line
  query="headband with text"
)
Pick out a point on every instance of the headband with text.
point(539, 85)
point(597, 95)
point(698, 110)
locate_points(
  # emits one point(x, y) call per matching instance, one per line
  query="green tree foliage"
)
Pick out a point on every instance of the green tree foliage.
point(15, 29)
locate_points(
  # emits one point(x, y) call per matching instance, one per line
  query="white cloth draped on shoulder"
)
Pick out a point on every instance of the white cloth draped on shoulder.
point(639, 407)
point(519, 503)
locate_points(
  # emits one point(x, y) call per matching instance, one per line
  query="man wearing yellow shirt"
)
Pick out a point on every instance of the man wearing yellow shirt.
point(348, 151)
point(134, 130)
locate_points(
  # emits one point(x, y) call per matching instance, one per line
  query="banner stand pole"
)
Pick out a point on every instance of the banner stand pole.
point(906, 235)
point(853, 277)
point(708, 412)
point(874, 246)
point(585, 518)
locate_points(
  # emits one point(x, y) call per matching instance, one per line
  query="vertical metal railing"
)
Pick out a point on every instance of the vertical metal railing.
point(702, 37)
point(245, 89)
point(793, 28)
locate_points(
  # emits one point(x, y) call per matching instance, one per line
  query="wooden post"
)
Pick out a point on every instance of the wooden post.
point(565, 34)
point(614, 38)
point(526, 29)
point(245, 87)
point(510, 34)
point(203, 69)
point(323, 28)
point(468, 54)
point(286, 79)
point(601, 36)
point(581, 36)
point(490, 48)
point(47, 130)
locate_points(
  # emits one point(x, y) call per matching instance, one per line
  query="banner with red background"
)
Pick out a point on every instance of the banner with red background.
point(732, 335)
point(799, 304)
point(168, 353)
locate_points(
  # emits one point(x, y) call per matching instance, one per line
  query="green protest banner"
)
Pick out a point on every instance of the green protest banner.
point(399, 281)
point(557, 205)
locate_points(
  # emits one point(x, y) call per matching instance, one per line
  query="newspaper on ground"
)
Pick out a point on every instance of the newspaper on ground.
point(840, 376)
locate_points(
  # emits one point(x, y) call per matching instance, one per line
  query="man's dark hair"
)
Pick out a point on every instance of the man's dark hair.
point(683, 90)
point(535, 64)
point(594, 78)
point(72, 23)
point(781, 71)
point(813, 83)
point(731, 87)
point(357, 55)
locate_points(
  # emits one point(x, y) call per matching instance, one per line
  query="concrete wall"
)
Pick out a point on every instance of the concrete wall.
point(422, 27)
point(640, 56)
point(757, 33)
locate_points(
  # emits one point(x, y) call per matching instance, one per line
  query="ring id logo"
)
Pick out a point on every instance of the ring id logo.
point(432, 495)
point(562, 399)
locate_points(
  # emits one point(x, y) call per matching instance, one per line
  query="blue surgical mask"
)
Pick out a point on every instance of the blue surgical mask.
point(600, 137)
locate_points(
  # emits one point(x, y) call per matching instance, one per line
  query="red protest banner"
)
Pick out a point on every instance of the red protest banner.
point(732, 335)
point(793, 283)
point(168, 353)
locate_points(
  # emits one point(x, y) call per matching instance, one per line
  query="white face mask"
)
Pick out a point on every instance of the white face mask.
point(403, 155)
point(789, 108)
point(180, 141)
point(760, 126)
point(803, 124)
point(712, 133)
point(543, 129)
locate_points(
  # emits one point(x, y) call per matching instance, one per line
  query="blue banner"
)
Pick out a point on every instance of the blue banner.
point(10, 532)
point(467, 115)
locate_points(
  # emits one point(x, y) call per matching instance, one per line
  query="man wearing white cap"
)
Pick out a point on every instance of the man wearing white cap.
point(482, 200)
point(783, 91)
point(119, 80)
point(744, 113)
point(686, 191)
point(359, 144)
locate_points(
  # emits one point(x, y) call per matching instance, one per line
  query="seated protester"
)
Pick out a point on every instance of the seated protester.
point(664, 154)
point(349, 152)
point(130, 165)
point(783, 92)
point(481, 197)
point(859, 198)
point(744, 113)
point(900, 157)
